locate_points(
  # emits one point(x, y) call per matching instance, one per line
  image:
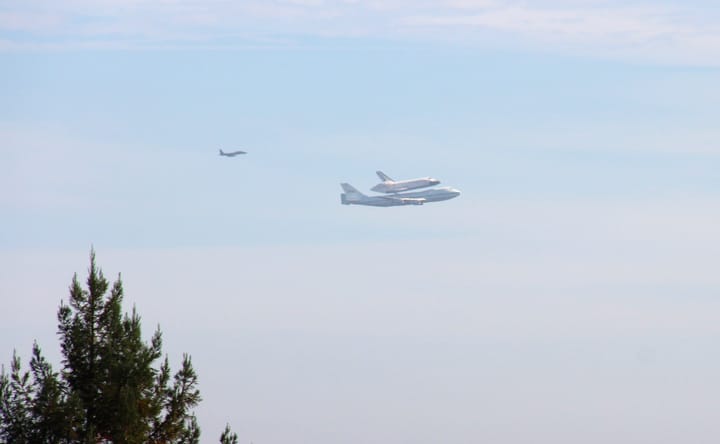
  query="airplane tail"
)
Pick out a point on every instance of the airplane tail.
point(221, 153)
point(349, 189)
point(384, 177)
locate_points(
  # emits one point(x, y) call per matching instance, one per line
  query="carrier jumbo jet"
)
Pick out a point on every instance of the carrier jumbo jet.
point(352, 196)
point(391, 186)
point(231, 153)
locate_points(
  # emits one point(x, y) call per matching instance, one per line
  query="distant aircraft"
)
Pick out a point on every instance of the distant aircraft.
point(232, 153)
point(352, 196)
point(391, 186)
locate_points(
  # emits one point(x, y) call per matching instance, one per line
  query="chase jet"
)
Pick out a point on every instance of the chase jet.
point(352, 196)
point(231, 153)
point(391, 186)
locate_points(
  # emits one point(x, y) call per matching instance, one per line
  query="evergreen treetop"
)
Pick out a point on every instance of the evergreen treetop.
point(110, 388)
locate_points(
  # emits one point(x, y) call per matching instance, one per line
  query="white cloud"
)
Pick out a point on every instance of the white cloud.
point(628, 23)
point(25, 21)
point(657, 33)
point(638, 30)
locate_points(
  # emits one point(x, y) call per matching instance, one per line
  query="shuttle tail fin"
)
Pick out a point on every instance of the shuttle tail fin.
point(384, 177)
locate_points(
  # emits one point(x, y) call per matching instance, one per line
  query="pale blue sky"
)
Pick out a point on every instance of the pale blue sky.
point(569, 295)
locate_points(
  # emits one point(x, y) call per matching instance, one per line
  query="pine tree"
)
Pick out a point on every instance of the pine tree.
point(228, 437)
point(37, 410)
point(109, 389)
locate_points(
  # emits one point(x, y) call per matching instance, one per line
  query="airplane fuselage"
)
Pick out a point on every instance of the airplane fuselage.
point(400, 199)
point(231, 153)
point(434, 195)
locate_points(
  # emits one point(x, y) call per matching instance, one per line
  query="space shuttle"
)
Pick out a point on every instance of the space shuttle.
point(388, 185)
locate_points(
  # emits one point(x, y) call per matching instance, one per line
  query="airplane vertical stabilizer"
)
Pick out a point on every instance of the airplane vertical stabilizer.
point(349, 189)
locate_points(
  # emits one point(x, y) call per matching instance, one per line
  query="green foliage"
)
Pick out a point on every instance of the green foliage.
point(35, 406)
point(109, 389)
point(228, 437)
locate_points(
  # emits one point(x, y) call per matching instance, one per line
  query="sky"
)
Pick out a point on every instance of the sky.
point(568, 295)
